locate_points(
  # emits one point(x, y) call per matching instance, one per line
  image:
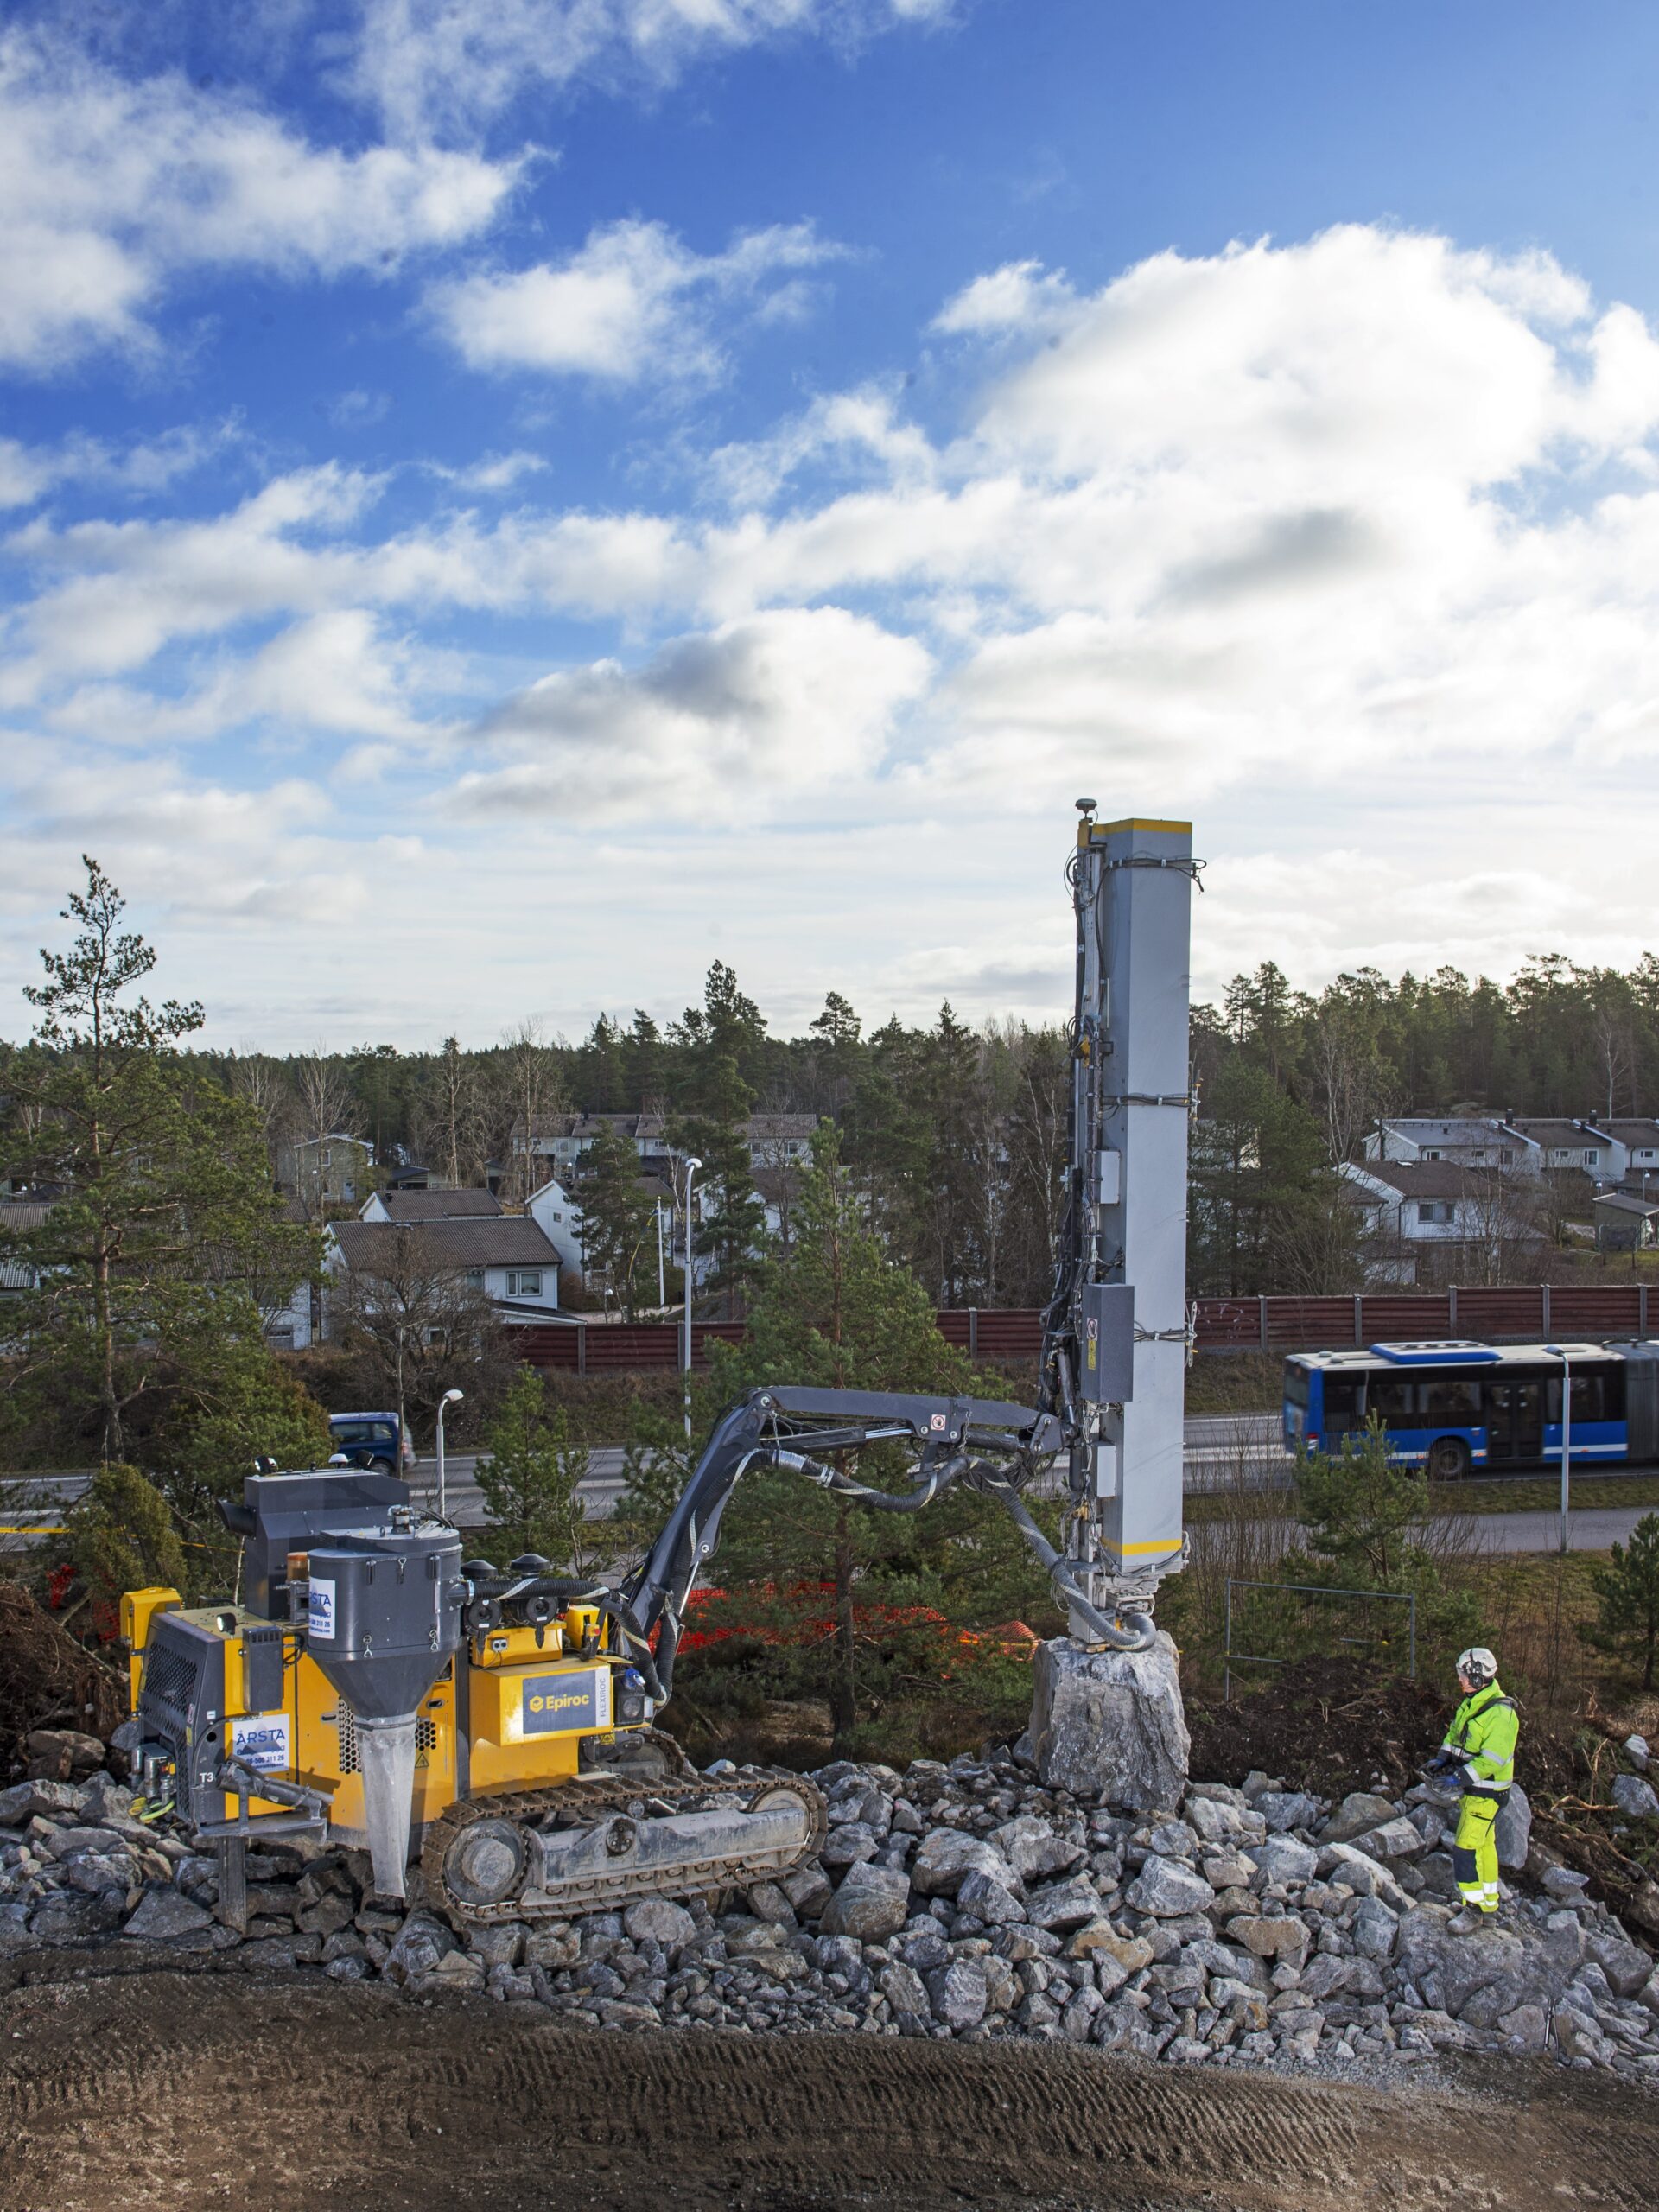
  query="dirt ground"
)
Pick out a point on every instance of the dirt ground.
point(166, 2088)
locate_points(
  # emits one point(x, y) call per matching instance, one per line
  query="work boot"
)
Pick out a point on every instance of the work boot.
point(1467, 1922)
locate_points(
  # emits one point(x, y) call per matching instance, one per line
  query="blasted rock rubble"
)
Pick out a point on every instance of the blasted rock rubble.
point(1246, 1927)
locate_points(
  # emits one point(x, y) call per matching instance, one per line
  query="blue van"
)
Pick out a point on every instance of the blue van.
point(378, 1441)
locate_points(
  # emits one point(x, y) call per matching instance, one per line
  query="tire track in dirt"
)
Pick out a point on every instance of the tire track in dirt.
point(162, 2089)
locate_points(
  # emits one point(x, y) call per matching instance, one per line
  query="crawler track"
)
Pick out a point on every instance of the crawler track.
point(160, 2088)
point(591, 1798)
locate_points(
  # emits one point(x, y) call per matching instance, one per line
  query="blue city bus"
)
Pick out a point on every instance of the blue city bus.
point(1454, 1408)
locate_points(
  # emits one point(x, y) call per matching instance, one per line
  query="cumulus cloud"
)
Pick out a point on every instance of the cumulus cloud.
point(27, 473)
point(742, 717)
point(633, 300)
point(446, 65)
point(110, 188)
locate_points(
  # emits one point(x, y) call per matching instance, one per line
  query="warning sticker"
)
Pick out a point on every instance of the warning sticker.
point(261, 1742)
point(320, 1615)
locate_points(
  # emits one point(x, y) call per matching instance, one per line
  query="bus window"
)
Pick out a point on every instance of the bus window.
point(1394, 1400)
point(1590, 1396)
point(1296, 1381)
point(1342, 1394)
point(1452, 1400)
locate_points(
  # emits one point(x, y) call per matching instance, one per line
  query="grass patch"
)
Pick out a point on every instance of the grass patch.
point(1236, 1383)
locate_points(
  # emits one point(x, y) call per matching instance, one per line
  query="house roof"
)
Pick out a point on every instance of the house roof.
point(1556, 1129)
point(1636, 1133)
point(1460, 1130)
point(1427, 1178)
point(409, 1207)
point(1624, 1202)
point(513, 1241)
point(23, 1213)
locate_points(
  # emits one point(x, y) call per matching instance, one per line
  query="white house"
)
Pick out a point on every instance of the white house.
point(508, 1257)
point(558, 1216)
point(1593, 1151)
point(1466, 1141)
point(1409, 1208)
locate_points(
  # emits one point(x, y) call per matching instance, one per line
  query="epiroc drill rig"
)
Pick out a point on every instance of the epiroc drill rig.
point(373, 1687)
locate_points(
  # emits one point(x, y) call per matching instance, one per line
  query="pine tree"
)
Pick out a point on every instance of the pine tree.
point(616, 1214)
point(167, 1228)
point(528, 1475)
point(1627, 1598)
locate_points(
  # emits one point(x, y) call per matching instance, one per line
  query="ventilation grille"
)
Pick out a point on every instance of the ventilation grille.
point(426, 1737)
point(170, 1677)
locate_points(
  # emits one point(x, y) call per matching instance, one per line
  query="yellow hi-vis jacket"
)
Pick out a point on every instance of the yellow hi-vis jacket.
point(1483, 1735)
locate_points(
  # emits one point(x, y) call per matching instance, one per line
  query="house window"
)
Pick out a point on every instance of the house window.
point(1592, 1158)
point(1506, 1157)
point(1431, 1155)
point(1428, 1210)
point(524, 1282)
point(475, 1278)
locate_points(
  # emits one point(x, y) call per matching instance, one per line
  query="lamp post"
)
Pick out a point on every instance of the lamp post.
point(449, 1398)
point(691, 1166)
point(662, 1286)
point(1560, 1352)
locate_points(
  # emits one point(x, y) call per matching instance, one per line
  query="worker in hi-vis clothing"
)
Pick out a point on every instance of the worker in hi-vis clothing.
point(1477, 1760)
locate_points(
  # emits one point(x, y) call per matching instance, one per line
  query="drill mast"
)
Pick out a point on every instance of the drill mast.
point(1116, 1330)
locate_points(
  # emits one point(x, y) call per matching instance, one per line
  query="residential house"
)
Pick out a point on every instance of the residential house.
point(1420, 1218)
point(1583, 1146)
point(17, 1214)
point(326, 1174)
point(1624, 1222)
point(507, 1256)
point(1640, 1141)
point(1464, 1140)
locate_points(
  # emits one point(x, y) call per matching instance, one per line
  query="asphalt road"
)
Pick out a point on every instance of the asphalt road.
point(1219, 1447)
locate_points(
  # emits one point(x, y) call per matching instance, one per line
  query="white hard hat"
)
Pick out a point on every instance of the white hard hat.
point(1477, 1665)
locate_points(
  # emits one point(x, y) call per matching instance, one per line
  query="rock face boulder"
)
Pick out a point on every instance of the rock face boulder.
point(1512, 1830)
point(1111, 1723)
point(1636, 1797)
point(871, 1904)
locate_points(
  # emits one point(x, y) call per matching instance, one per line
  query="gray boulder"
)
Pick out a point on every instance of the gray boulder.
point(1168, 1887)
point(1111, 1723)
point(1376, 1928)
point(423, 1945)
point(1636, 1797)
point(989, 1900)
point(849, 1844)
point(905, 1990)
point(1626, 1967)
point(162, 1914)
point(945, 1857)
point(1635, 1750)
point(1281, 1858)
point(1397, 1838)
point(1283, 1809)
point(1033, 1849)
point(871, 1903)
point(1359, 1810)
point(958, 1995)
point(658, 1920)
point(1066, 1905)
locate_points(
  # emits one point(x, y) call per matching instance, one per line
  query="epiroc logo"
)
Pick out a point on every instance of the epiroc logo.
point(555, 1704)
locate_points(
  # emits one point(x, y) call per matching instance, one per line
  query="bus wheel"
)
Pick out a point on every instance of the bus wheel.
point(1448, 1459)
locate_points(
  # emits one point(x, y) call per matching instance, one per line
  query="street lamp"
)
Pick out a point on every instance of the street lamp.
point(662, 1287)
point(449, 1398)
point(692, 1167)
point(1559, 1352)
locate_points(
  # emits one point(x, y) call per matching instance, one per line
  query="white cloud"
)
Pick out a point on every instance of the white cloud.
point(443, 65)
point(633, 300)
point(1021, 296)
point(28, 473)
point(109, 188)
point(746, 716)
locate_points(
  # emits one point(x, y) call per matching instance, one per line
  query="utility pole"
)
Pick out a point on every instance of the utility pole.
point(692, 1167)
point(1566, 1358)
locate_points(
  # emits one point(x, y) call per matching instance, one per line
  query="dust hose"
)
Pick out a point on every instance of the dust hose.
point(1125, 1632)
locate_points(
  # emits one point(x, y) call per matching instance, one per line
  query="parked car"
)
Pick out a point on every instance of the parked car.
point(378, 1441)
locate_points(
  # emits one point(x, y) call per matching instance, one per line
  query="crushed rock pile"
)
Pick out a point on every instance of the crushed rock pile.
point(1245, 1926)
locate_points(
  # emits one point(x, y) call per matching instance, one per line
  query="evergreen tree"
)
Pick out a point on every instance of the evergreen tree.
point(164, 1217)
point(616, 1215)
point(1627, 1600)
point(528, 1475)
point(857, 1600)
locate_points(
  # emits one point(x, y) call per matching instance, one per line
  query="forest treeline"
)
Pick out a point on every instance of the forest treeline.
point(956, 1133)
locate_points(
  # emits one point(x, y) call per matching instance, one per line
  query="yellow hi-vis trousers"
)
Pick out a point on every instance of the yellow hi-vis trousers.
point(1474, 1854)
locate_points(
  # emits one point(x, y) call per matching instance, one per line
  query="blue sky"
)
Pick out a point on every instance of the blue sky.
point(506, 503)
